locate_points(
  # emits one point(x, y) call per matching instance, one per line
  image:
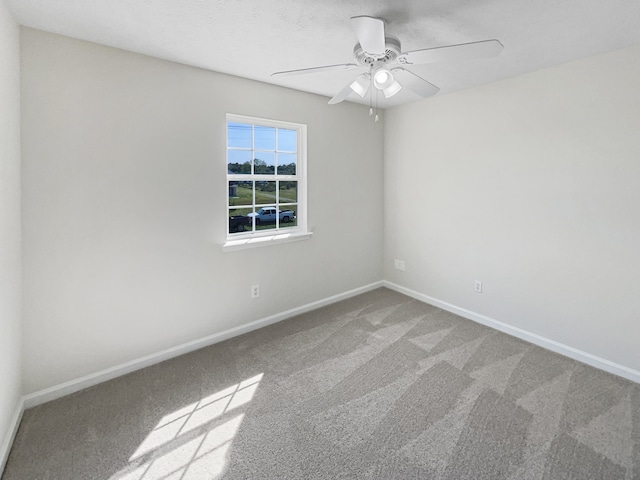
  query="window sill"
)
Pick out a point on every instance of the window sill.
point(254, 242)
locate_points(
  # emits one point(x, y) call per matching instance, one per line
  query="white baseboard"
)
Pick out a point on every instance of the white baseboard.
point(562, 349)
point(72, 386)
point(7, 442)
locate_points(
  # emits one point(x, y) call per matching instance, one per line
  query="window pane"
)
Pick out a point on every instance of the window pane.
point(286, 219)
point(240, 193)
point(266, 217)
point(287, 140)
point(264, 138)
point(239, 221)
point(266, 226)
point(286, 163)
point(266, 193)
point(288, 192)
point(264, 163)
point(238, 135)
point(239, 161)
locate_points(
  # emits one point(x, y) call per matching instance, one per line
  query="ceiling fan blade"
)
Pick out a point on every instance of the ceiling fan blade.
point(370, 33)
point(415, 83)
point(341, 95)
point(452, 53)
point(325, 68)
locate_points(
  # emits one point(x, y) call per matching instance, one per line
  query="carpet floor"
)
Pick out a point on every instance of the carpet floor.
point(379, 386)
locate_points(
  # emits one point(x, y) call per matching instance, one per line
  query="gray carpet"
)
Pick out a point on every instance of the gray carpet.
point(379, 386)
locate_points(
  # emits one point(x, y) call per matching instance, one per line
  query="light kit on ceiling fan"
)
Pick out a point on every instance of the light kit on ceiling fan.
point(361, 84)
point(377, 51)
point(383, 80)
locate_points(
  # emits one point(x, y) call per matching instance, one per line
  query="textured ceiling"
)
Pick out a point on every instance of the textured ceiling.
point(254, 38)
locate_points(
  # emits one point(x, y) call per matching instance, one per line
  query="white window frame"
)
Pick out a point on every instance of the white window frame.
point(237, 241)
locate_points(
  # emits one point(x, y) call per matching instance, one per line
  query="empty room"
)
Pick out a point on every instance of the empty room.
point(317, 240)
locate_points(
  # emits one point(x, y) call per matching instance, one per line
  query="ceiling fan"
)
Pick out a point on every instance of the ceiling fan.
point(387, 65)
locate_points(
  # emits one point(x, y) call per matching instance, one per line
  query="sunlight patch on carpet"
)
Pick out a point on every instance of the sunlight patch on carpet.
point(193, 439)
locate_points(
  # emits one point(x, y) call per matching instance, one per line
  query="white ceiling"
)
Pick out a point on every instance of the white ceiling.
point(254, 38)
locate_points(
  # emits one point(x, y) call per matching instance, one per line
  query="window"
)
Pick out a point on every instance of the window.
point(266, 180)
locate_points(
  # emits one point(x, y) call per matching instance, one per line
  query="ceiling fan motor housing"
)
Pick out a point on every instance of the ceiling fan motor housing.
point(392, 51)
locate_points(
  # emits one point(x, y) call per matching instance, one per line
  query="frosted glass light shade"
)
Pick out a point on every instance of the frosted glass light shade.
point(361, 85)
point(382, 78)
point(392, 89)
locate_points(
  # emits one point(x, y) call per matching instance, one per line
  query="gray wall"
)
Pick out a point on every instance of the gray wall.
point(124, 206)
point(531, 185)
point(10, 256)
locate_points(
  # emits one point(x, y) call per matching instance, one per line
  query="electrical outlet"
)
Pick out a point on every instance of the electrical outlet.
point(399, 264)
point(478, 286)
point(255, 291)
